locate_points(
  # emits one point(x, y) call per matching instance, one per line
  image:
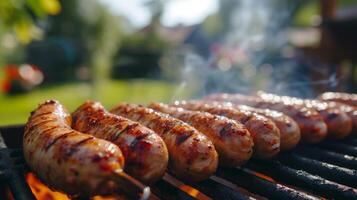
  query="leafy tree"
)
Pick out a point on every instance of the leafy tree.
point(19, 25)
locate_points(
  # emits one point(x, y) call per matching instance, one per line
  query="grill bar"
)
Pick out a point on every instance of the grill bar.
point(165, 190)
point(312, 183)
point(8, 171)
point(351, 141)
point(328, 156)
point(338, 174)
point(217, 190)
point(260, 186)
point(340, 148)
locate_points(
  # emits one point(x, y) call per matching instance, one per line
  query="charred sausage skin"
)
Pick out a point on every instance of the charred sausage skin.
point(312, 126)
point(144, 151)
point(192, 154)
point(339, 124)
point(289, 129)
point(67, 160)
point(265, 134)
point(231, 139)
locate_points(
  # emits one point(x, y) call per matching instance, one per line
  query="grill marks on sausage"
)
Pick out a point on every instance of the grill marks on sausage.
point(226, 130)
point(63, 136)
point(33, 125)
point(137, 140)
point(39, 115)
point(75, 147)
point(181, 138)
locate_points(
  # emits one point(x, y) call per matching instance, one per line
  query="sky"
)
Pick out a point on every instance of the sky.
point(186, 12)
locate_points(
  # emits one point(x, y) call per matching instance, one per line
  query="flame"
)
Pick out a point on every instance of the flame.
point(186, 188)
point(260, 175)
point(42, 192)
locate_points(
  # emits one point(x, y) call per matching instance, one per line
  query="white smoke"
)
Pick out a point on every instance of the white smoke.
point(243, 61)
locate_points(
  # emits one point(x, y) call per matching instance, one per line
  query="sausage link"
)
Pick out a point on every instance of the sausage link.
point(351, 111)
point(346, 98)
point(144, 151)
point(266, 135)
point(192, 154)
point(231, 139)
point(339, 125)
point(67, 160)
point(289, 129)
point(312, 126)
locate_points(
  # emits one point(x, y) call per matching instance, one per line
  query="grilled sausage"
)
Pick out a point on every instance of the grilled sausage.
point(312, 127)
point(231, 139)
point(351, 111)
point(266, 135)
point(67, 160)
point(346, 98)
point(144, 151)
point(339, 125)
point(289, 129)
point(192, 154)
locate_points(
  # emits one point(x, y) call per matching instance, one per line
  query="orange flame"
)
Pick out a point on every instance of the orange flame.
point(42, 192)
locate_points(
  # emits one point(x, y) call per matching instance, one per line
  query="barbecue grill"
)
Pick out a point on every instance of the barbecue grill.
point(326, 170)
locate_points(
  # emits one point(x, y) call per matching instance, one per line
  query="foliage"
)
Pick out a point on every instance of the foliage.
point(84, 35)
point(19, 16)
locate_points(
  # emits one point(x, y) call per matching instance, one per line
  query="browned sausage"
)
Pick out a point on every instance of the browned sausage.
point(339, 125)
point(67, 160)
point(346, 98)
point(266, 135)
point(144, 151)
point(192, 154)
point(313, 128)
point(231, 139)
point(351, 111)
point(289, 129)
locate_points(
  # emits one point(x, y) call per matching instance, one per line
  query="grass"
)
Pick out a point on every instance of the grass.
point(16, 109)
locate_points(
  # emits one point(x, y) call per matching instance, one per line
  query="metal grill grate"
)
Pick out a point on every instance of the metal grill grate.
point(327, 170)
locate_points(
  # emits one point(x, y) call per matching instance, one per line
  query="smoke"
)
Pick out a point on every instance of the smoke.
point(251, 54)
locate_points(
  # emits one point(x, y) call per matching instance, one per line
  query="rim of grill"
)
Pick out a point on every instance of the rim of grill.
point(326, 170)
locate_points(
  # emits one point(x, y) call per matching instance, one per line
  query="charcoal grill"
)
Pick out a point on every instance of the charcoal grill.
point(324, 171)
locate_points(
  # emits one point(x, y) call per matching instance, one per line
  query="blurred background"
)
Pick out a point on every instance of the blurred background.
point(160, 50)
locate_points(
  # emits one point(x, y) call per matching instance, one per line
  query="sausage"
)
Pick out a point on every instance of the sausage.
point(346, 98)
point(351, 111)
point(231, 139)
point(266, 135)
point(67, 160)
point(289, 129)
point(339, 125)
point(312, 126)
point(144, 151)
point(192, 155)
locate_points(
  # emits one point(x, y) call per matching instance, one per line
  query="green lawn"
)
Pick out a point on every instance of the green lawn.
point(16, 109)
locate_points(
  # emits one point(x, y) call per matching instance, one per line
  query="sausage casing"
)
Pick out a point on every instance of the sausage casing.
point(312, 126)
point(231, 139)
point(351, 111)
point(145, 153)
point(192, 154)
point(266, 135)
point(67, 160)
point(339, 124)
point(346, 98)
point(289, 129)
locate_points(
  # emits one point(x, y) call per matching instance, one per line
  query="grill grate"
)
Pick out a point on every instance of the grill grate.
point(328, 170)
